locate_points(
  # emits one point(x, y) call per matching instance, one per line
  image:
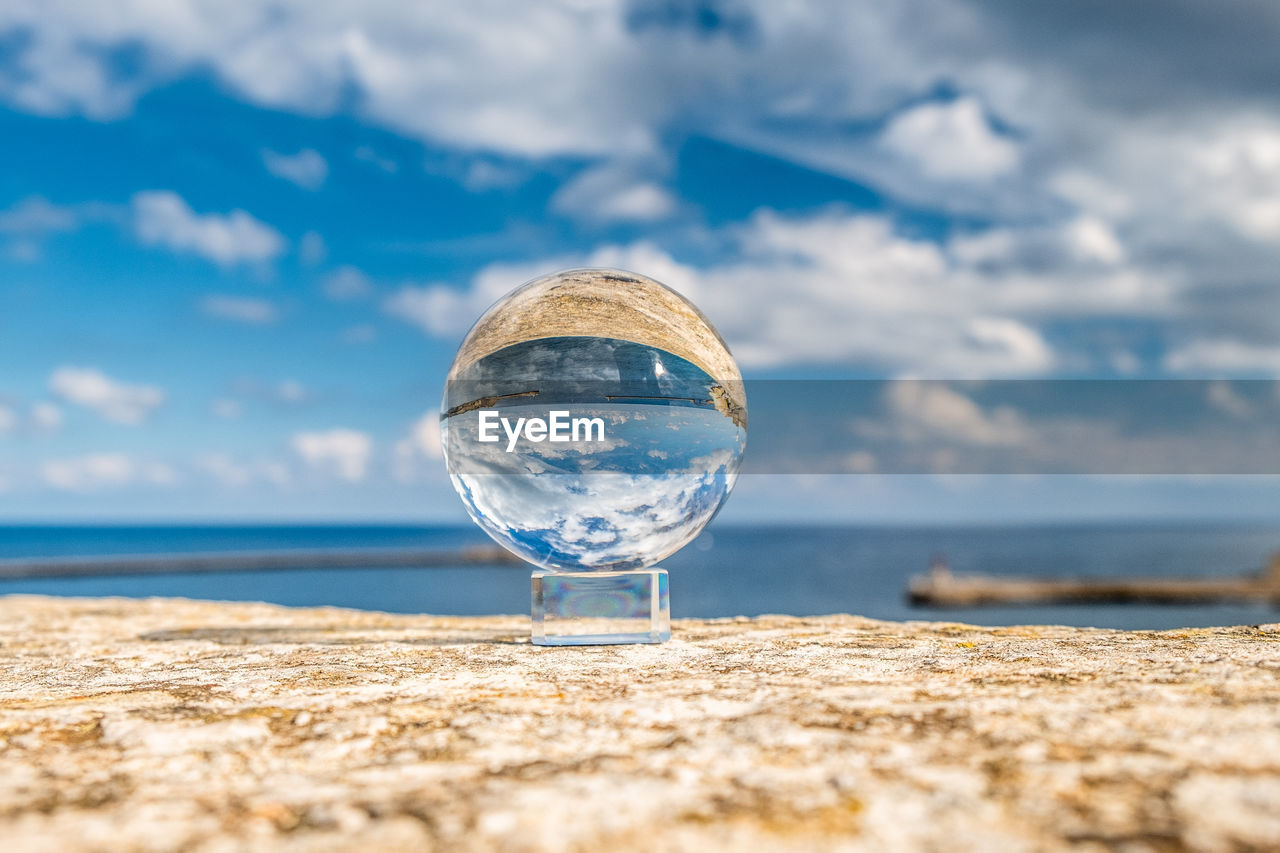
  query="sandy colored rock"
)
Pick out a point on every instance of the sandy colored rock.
point(170, 724)
point(600, 303)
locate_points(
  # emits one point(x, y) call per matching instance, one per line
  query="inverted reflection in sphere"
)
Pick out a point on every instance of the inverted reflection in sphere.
point(646, 412)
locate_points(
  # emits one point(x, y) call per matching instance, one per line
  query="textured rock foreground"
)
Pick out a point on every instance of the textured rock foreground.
point(168, 724)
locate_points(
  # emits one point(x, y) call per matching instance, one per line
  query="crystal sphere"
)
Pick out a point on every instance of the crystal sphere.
point(593, 420)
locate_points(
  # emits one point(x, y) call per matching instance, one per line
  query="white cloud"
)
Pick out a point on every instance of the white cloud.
point(591, 78)
point(312, 250)
point(425, 436)
point(1083, 249)
point(36, 216)
point(992, 246)
point(344, 451)
point(90, 472)
point(1092, 193)
point(277, 474)
point(1223, 357)
point(347, 283)
point(227, 409)
point(158, 474)
point(848, 288)
point(162, 218)
point(1010, 342)
point(30, 222)
point(607, 194)
point(482, 175)
point(1240, 178)
point(113, 400)
point(1165, 184)
point(307, 168)
point(440, 75)
point(951, 141)
point(436, 309)
point(291, 391)
point(366, 154)
point(1223, 397)
point(1093, 240)
point(442, 310)
point(421, 443)
point(858, 291)
point(1124, 362)
point(855, 292)
point(928, 410)
point(840, 288)
point(362, 333)
point(226, 470)
point(240, 309)
point(25, 251)
point(1196, 195)
point(45, 416)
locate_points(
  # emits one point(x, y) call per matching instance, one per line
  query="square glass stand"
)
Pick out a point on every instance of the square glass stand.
point(600, 608)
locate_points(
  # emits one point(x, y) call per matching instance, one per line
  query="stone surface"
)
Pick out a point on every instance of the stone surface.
point(170, 724)
point(601, 303)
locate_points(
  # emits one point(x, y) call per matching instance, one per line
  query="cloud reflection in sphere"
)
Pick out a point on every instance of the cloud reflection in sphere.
point(606, 345)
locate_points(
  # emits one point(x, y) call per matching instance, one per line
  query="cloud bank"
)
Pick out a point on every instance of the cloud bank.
point(115, 401)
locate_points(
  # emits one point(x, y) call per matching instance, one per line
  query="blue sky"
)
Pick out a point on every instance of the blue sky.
point(238, 248)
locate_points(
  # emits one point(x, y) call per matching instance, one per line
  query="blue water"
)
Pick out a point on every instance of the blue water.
point(728, 571)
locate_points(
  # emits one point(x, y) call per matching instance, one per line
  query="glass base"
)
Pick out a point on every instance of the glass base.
point(600, 608)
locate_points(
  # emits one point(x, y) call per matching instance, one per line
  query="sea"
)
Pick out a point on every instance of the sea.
point(728, 571)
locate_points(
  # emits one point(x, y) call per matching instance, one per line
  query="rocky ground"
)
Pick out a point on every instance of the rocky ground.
point(170, 724)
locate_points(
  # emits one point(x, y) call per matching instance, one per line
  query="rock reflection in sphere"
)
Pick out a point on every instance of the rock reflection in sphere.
point(595, 344)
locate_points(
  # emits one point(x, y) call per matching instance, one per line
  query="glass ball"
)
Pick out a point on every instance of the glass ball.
point(593, 420)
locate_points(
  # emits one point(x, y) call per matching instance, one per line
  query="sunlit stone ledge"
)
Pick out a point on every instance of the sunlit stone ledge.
point(171, 724)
